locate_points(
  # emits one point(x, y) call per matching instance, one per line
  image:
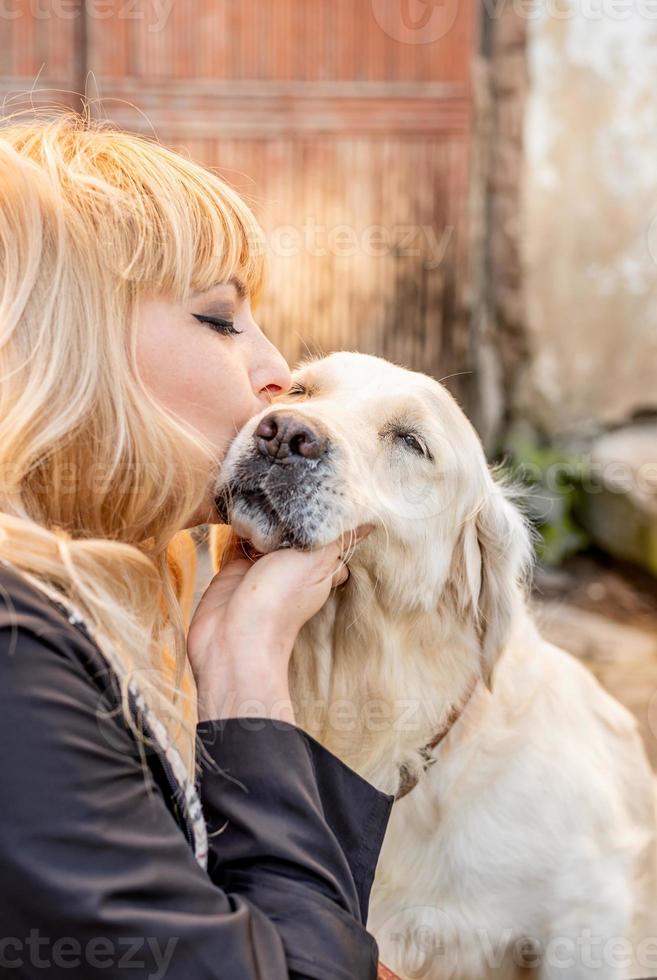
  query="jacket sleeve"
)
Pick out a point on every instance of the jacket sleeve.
point(96, 875)
point(299, 834)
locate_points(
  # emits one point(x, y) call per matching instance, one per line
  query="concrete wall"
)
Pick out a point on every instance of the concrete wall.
point(589, 214)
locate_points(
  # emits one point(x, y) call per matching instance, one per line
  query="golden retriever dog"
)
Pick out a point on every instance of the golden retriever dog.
point(523, 836)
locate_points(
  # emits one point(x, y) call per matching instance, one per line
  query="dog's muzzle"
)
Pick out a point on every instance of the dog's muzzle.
point(276, 480)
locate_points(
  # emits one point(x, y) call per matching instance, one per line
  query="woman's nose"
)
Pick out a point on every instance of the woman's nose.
point(273, 376)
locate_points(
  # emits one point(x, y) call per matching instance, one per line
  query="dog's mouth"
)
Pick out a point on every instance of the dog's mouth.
point(257, 505)
point(259, 502)
point(288, 517)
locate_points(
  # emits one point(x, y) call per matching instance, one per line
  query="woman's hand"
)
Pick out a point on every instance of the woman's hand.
point(246, 623)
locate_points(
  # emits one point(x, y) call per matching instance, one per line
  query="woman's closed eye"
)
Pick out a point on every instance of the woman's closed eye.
point(220, 324)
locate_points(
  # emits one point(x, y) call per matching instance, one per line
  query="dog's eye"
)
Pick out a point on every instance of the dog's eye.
point(395, 430)
point(412, 442)
point(297, 389)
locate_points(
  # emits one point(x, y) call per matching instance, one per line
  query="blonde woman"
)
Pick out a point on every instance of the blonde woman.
point(174, 822)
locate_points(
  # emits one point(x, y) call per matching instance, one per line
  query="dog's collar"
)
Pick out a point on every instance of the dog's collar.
point(408, 780)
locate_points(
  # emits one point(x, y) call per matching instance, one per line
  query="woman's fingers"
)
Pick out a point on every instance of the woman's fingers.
point(274, 579)
point(345, 545)
point(350, 538)
point(322, 561)
point(221, 588)
point(340, 576)
point(290, 585)
point(260, 603)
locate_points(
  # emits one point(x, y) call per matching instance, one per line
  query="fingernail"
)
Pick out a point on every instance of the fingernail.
point(364, 530)
point(340, 577)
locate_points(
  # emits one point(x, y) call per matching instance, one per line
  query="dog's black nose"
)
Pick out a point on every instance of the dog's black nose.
point(282, 435)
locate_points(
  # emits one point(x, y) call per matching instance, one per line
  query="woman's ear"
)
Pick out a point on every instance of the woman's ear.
point(491, 559)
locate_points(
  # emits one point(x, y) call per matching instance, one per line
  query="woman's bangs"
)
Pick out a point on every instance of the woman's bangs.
point(192, 232)
point(230, 243)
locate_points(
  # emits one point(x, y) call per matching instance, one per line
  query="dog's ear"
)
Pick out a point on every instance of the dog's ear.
point(491, 560)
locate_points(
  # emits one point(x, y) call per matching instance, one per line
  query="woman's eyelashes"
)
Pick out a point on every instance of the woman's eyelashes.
point(220, 324)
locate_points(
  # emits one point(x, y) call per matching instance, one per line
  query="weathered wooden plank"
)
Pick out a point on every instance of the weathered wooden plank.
point(256, 109)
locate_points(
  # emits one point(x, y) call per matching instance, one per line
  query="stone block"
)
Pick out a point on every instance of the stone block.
point(619, 508)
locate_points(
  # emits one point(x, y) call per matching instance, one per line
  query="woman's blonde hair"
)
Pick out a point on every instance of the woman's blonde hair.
point(96, 477)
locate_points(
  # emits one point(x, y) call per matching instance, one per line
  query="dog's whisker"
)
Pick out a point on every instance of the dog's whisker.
point(457, 374)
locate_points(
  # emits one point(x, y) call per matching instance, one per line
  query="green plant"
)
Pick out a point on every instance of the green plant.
point(548, 482)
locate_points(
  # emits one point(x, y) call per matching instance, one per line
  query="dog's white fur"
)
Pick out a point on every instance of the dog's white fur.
point(537, 819)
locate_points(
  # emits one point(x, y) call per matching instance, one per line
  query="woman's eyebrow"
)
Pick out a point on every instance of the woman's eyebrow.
point(234, 281)
point(240, 288)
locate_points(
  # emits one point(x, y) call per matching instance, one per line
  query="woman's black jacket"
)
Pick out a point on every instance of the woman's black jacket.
point(106, 873)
